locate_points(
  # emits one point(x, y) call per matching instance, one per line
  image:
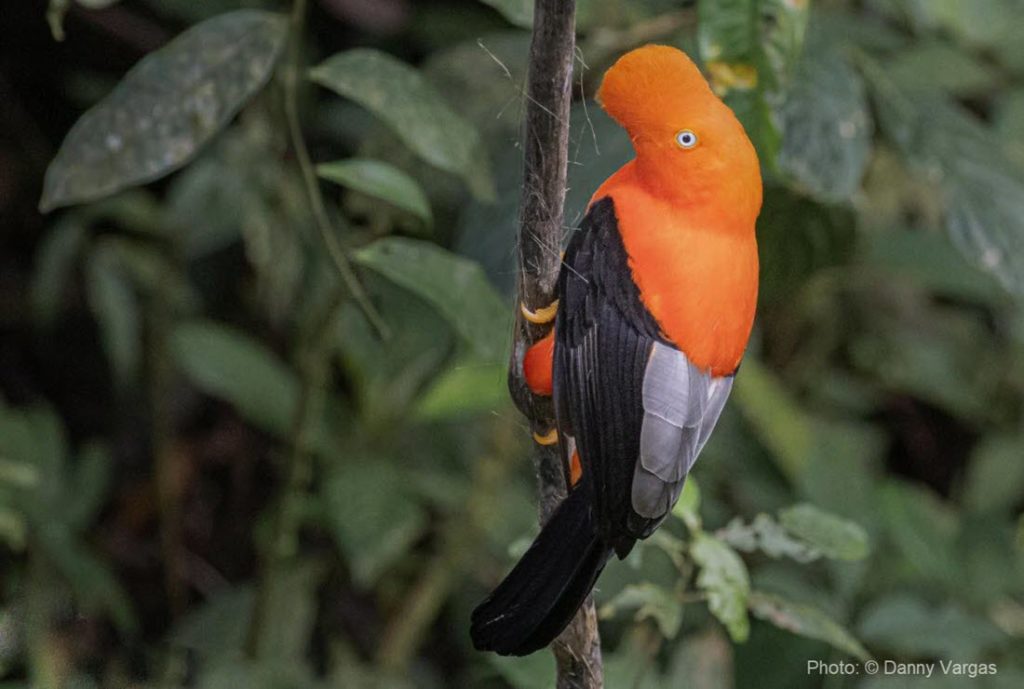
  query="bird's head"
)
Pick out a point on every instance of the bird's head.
point(690, 147)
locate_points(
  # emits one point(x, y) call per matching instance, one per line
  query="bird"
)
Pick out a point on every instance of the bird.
point(655, 303)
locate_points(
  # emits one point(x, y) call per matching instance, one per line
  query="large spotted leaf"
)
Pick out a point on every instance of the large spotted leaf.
point(982, 187)
point(165, 108)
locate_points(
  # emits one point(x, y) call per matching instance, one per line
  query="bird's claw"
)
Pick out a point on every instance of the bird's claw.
point(541, 316)
point(549, 438)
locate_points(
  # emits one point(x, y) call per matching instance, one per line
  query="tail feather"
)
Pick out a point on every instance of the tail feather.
point(547, 586)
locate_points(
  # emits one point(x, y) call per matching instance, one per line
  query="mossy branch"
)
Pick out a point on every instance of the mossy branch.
point(546, 150)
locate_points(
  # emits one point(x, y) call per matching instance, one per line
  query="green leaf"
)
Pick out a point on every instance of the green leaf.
point(91, 483)
point(349, 669)
point(241, 180)
point(928, 260)
point(941, 66)
point(995, 474)
point(58, 9)
point(750, 48)
point(983, 190)
point(292, 604)
point(453, 285)
point(768, 536)
point(229, 365)
point(257, 674)
point(687, 508)
point(372, 514)
point(842, 472)
point(799, 238)
point(518, 12)
point(17, 474)
point(402, 98)
point(932, 354)
point(826, 124)
point(13, 529)
point(33, 438)
point(631, 664)
point(780, 423)
point(207, 201)
point(981, 23)
point(55, 262)
point(805, 620)
point(466, 388)
point(165, 108)
point(145, 263)
point(923, 530)
point(90, 578)
point(380, 180)
point(388, 376)
point(219, 626)
point(479, 76)
point(906, 625)
point(832, 536)
point(723, 576)
point(650, 602)
point(1009, 122)
point(117, 311)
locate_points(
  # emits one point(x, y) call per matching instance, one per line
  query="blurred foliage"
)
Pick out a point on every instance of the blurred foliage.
point(216, 470)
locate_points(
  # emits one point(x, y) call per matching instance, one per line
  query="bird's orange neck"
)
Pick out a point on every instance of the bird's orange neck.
point(695, 262)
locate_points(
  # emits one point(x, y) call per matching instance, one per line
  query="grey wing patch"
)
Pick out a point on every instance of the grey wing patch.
point(681, 406)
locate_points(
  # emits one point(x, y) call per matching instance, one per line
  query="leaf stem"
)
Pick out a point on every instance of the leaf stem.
point(166, 459)
point(335, 251)
point(312, 355)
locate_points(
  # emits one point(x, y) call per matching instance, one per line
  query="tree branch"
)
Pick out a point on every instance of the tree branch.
point(546, 144)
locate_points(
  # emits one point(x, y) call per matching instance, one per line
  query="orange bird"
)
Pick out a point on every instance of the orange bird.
point(656, 300)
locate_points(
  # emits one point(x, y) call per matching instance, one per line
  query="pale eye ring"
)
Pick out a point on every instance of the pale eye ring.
point(686, 139)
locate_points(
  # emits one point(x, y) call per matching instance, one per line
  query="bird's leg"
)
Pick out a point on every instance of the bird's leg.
point(537, 364)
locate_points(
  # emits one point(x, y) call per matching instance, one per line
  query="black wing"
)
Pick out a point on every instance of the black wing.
point(638, 410)
point(603, 339)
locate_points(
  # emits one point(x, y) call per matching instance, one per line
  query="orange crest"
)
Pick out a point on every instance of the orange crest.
point(648, 84)
point(691, 150)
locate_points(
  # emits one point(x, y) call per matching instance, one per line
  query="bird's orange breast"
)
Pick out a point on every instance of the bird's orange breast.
point(697, 273)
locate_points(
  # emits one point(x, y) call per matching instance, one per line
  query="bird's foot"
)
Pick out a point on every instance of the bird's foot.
point(541, 316)
point(549, 438)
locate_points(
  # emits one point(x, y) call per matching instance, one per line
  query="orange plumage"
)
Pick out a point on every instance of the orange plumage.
point(537, 365)
point(686, 216)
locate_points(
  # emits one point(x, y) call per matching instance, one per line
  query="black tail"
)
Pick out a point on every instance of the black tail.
point(547, 586)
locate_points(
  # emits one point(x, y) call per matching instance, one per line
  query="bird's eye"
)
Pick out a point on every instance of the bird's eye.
point(686, 139)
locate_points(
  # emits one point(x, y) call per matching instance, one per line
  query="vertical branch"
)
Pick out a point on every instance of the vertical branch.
point(546, 147)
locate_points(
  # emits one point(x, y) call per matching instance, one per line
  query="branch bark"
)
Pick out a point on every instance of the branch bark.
point(546, 147)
